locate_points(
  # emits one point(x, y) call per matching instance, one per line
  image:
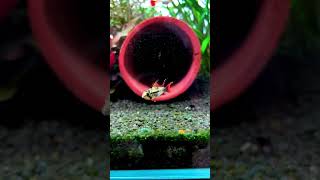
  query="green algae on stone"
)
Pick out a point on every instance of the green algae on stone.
point(167, 133)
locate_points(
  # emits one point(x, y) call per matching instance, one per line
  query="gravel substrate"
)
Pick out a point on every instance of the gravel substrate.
point(52, 150)
point(46, 133)
point(272, 132)
point(188, 113)
point(129, 117)
point(171, 134)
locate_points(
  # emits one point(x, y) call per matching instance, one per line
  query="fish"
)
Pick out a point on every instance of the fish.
point(156, 90)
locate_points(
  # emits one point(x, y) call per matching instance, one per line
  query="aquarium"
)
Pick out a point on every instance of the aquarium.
point(159, 90)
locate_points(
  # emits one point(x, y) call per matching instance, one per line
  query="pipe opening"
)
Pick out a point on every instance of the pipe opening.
point(159, 51)
point(79, 24)
point(233, 22)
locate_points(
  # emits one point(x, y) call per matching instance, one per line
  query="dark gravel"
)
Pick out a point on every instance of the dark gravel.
point(272, 132)
point(52, 150)
point(46, 133)
point(190, 112)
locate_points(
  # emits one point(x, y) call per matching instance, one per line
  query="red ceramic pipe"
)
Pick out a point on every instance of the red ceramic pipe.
point(69, 37)
point(243, 66)
point(6, 6)
point(160, 48)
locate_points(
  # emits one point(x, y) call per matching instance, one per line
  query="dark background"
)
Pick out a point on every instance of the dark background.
point(45, 131)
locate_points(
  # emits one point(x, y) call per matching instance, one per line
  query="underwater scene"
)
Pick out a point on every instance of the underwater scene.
point(46, 131)
point(266, 90)
point(159, 85)
point(134, 92)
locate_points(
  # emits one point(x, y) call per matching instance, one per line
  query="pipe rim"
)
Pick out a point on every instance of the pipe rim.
point(177, 88)
point(85, 80)
point(252, 56)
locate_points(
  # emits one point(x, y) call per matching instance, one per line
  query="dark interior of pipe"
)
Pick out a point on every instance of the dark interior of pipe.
point(81, 25)
point(233, 21)
point(159, 51)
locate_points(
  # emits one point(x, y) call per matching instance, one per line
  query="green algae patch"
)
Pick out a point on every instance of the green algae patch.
point(156, 149)
point(200, 138)
point(159, 135)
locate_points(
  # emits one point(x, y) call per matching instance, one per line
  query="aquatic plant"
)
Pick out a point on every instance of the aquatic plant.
point(197, 15)
point(302, 37)
point(194, 13)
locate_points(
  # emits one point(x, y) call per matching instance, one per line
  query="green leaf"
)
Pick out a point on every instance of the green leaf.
point(194, 4)
point(197, 16)
point(171, 12)
point(205, 44)
point(199, 33)
point(202, 18)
